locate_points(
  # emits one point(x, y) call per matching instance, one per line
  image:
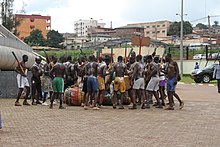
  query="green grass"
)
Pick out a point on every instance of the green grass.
point(188, 79)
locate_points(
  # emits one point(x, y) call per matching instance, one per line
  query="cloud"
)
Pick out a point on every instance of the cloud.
point(120, 12)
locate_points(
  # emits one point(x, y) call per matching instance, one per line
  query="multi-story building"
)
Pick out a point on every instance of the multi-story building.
point(81, 27)
point(28, 23)
point(155, 30)
point(129, 31)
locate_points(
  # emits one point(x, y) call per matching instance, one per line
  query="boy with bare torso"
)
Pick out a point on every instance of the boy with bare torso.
point(172, 72)
point(91, 70)
point(120, 70)
point(58, 71)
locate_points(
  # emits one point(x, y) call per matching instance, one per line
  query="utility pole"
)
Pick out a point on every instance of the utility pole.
point(210, 35)
point(181, 38)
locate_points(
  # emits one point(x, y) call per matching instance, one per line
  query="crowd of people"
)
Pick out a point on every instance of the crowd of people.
point(140, 78)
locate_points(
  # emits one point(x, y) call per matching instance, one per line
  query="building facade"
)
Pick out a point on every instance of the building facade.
point(28, 23)
point(81, 27)
point(129, 31)
point(155, 30)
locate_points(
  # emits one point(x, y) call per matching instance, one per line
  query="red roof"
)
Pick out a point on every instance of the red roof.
point(33, 16)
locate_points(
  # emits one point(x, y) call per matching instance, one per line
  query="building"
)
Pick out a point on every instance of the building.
point(81, 27)
point(155, 30)
point(28, 23)
point(129, 31)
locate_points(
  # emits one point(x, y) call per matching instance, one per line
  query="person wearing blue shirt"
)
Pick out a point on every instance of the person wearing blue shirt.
point(196, 66)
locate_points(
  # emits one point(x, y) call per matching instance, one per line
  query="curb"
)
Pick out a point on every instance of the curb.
point(211, 85)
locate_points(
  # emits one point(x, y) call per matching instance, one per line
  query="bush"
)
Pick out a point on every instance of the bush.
point(75, 54)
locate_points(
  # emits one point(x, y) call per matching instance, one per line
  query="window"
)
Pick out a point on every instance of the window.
point(158, 25)
point(148, 32)
point(148, 26)
point(164, 25)
point(32, 27)
point(48, 28)
point(158, 31)
point(163, 31)
point(153, 26)
point(32, 19)
point(48, 21)
point(153, 32)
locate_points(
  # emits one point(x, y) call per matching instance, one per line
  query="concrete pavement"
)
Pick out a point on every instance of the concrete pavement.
point(198, 124)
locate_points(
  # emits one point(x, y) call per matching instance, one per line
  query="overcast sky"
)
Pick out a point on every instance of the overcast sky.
point(120, 12)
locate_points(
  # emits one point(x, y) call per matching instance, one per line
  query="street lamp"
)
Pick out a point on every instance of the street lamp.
point(181, 40)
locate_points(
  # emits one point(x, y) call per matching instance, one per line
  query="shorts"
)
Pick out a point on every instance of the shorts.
point(36, 86)
point(170, 84)
point(101, 83)
point(47, 84)
point(162, 83)
point(127, 82)
point(22, 81)
point(92, 84)
point(58, 85)
point(85, 85)
point(153, 84)
point(119, 84)
point(139, 84)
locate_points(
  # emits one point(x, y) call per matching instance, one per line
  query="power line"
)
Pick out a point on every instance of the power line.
point(204, 18)
point(199, 19)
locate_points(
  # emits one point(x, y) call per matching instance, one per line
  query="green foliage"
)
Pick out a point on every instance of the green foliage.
point(75, 54)
point(216, 24)
point(8, 19)
point(175, 27)
point(54, 39)
point(201, 26)
point(35, 39)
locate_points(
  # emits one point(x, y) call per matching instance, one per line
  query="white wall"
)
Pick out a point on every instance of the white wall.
point(188, 65)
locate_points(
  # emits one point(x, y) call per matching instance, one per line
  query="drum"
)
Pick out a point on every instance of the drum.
point(127, 101)
point(127, 82)
point(107, 99)
point(73, 96)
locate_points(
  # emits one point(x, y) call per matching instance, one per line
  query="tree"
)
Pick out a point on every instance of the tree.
point(54, 39)
point(216, 23)
point(175, 27)
point(201, 26)
point(8, 19)
point(35, 39)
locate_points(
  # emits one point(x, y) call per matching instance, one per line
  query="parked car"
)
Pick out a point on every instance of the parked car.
point(204, 75)
point(216, 56)
point(199, 56)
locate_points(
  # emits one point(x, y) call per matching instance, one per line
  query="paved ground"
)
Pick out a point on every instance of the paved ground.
point(198, 124)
